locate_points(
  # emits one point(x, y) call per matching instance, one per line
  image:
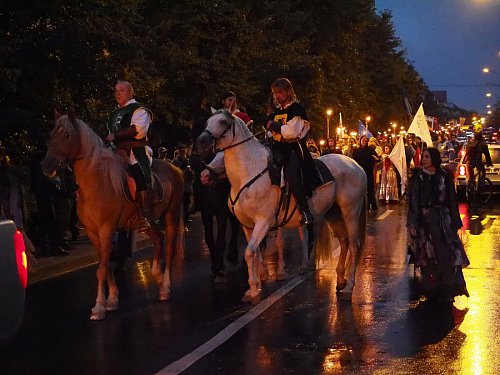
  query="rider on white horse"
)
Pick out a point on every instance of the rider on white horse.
point(290, 125)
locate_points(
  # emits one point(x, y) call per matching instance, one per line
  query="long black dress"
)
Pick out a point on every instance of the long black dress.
point(437, 249)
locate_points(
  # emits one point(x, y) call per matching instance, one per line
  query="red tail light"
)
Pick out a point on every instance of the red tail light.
point(22, 260)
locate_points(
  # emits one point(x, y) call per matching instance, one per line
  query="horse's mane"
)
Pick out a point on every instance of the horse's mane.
point(98, 156)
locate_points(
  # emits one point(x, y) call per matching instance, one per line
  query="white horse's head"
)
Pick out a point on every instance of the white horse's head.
point(219, 132)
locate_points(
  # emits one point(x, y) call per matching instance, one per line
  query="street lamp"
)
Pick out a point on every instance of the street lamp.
point(488, 70)
point(488, 94)
point(368, 118)
point(328, 115)
point(394, 127)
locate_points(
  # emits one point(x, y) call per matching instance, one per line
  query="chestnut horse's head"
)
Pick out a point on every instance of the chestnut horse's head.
point(64, 143)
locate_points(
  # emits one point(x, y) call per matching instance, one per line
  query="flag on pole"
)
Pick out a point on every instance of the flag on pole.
point(407, 106)
point(419, 126)
point(398, 158)
point(341, 126)
point(363, 131)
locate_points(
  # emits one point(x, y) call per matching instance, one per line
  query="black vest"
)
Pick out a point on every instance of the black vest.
point(122, 117)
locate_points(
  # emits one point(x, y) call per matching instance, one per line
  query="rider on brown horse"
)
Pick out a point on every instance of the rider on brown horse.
point(128, 129)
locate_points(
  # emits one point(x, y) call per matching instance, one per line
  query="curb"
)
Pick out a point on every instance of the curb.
point(82, 255)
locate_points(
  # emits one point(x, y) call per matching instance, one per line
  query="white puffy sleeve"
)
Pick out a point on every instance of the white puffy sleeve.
point(296, 128)
point(141, 118)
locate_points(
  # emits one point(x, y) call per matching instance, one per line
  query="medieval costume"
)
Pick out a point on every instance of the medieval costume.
point(388, 190)
point(290, 127)
point(129, 125)
point(436, 248)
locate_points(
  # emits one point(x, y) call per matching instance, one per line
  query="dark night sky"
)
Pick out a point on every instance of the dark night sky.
point(449, 42)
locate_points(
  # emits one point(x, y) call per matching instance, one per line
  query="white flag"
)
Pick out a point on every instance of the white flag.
point(398, 158)
point(419, 126)
point(341, 125)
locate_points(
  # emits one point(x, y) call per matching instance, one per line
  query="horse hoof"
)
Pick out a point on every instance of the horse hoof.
point(98, 314)
point(283, 276)
point(249, 296)
point(303, 270)
point(341, 285)
point(344, 296)
point(111, 305)
point(164, 296)
point(246, 297)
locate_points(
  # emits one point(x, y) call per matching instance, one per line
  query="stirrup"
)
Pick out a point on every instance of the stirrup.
point(143, 225)
point(307, 218)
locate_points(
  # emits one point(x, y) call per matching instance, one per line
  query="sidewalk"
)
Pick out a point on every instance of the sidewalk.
point(82, 254)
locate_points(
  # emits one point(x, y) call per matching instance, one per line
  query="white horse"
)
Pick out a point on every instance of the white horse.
point(254, 200)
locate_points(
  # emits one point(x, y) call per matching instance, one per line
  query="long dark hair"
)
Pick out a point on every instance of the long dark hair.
point(285, 84)
point(435, 156)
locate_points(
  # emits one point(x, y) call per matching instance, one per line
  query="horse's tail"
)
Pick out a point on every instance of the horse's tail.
point(324, 244)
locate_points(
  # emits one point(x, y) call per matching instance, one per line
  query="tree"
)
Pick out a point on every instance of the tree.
point(339, 54)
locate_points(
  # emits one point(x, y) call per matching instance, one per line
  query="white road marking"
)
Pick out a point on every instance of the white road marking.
point(385, 214)
point(189, 359)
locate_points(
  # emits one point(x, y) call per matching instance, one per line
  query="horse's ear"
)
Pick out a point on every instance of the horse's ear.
point(57, 115)
point(71, 115)
point(212, 110)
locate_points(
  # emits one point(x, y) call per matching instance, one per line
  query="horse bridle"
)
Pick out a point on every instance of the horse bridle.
point(215, 139)
point(229, 126)
point(65, 161)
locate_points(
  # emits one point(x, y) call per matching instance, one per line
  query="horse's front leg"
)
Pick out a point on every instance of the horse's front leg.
point(157, 237)
point(252, 257)
point(172, 226)
point(103, 243)
point(112, 302)
point(280, 245)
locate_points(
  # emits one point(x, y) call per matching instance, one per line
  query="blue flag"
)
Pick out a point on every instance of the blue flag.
point(363, 131)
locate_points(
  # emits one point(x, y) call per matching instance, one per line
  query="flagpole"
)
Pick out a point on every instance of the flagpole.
point(328, 114)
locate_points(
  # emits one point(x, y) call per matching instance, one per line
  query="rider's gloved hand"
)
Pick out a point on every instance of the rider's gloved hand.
point(207, 177)
point(275, 127)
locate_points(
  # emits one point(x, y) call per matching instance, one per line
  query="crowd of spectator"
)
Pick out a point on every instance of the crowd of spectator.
point(384, 185)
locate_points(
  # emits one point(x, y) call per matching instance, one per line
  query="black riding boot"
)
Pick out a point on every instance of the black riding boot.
point(298, 191)
point(145, 203)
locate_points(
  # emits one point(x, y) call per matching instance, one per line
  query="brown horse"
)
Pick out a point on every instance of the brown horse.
point(103, 207)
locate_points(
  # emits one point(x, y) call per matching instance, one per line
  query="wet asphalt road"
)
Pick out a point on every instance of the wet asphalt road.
point(384, 330)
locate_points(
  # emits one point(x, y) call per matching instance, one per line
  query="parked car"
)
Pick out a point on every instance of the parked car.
point(13, 279)
point(493, 173)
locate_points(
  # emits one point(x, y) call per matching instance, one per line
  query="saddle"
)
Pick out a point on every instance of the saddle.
point(323, 173)
point(285, 212)
point(130, 189)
